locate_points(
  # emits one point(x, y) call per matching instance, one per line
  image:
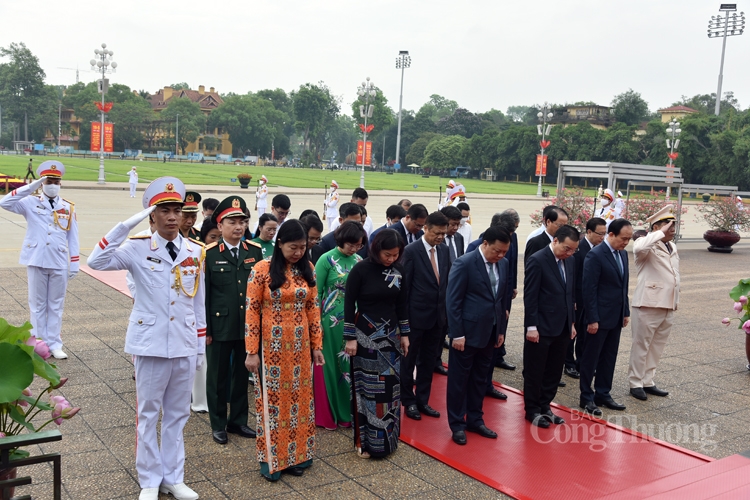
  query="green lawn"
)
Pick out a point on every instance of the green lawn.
point(80, 169)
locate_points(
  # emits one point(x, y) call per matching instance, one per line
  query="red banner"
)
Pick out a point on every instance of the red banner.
point(367, 153)
point(541, 165)
point(96, 135)
point(109, 137)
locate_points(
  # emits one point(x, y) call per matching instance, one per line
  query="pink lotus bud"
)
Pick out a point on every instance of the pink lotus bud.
point(725, 321)
point(743, 300)
point(42, 349)
point(70, 413)
point(738, 307)
point(2, 434)
point(746, 327)
point(62, 383)
point(27, 392)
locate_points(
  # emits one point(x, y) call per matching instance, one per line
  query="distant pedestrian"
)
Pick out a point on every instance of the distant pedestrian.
point(133, 181)
point(29, 171)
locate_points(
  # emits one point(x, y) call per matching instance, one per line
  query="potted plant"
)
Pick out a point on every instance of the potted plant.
point(725, 217)
point(739, 294)
point(22, 357)
point(244, 179)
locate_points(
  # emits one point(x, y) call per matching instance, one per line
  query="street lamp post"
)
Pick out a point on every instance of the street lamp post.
point(103, 63)
point(728, 26)
point(366, 90)
point(672, 143)
point(403, 61)
point(544, 114)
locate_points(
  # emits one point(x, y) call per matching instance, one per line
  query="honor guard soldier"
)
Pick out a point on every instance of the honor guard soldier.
point(261, 195)
point(228, 265)
point(190, 215)
point(166, 332)
point(50, 250)
point(332, 204)
point(609, 210)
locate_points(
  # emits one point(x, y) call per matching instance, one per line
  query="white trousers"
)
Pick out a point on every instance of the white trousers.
point(330, 222)
point(162, 384)
point(650, 327)
point(46, 300)
point(132, 190)
point(200, 401)
point(261, 210)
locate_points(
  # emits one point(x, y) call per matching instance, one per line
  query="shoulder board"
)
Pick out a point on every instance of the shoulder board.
point(211, 245)
point(196, 241)
point(253, 243)
point(142, 237)
point(69, 202)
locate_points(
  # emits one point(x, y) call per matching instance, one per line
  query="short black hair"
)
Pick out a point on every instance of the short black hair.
point(595, 222)
point(504, 220)
point(362, 210)
point(311, 221)
point(386, 239)
point(210, 203)
point(552, 212)
point(307, 212)
point(349, 209)
point(350, 232)
point(281, 201)
point(616, 226)
point(451, 212)
point(567, 232)
point(395, 212)
point(417, 211)
point(463, 206)
point(436, 219)
point(360, 194)
point(496, 233)
point(401, 203)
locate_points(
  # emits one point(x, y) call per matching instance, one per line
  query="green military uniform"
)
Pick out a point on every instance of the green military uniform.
point(226, 283)
point(191, 201)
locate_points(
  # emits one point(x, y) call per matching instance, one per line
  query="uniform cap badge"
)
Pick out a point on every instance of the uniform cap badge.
point(235, 203)
point(169, 187)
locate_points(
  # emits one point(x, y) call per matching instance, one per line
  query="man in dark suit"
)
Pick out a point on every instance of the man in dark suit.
point(393, 214)
point(605, 299)
point(410, 227)
point(426, 267)
point(478, 298)
point(554, 220)
point(549, 317)
point(347, 211)
point(596, 230)
point(227, 266)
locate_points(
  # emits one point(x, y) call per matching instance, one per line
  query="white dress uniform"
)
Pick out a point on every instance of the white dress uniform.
point(367, 226)
point(657, 294)
point(133, 181)
point(611, 211)
point(166, 334)
point(332, 205)
point(50, 251)
point(261, 195)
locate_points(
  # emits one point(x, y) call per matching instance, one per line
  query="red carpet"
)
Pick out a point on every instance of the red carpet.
point(585, 458)
point(115, 279)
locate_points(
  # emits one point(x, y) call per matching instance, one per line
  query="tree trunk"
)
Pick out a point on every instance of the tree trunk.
point(25, 126)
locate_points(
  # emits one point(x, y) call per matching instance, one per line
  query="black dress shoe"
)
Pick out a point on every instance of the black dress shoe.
point(269, 479)
point(294, 471)
point(494, 393)
point(538, 419)
point(459, 437)
point(441, 370)
point(429, 411)
point(553, 418)
point(242, 430)
point(446, 344)
point(591, 409)
point(655, 391)
point(220, 437)
point(562, 383)
point(572, 372)
point(412, 412)
point(638, 393)
point(611, 404)
point(483, 431)
point(505, 365)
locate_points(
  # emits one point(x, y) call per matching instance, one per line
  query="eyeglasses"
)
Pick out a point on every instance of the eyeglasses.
point(600, 234)
point(314, 240)
point(282, 213)
point(355, 246)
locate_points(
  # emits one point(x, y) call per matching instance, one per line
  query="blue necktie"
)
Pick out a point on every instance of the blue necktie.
point(619, 262)
point(493, 278)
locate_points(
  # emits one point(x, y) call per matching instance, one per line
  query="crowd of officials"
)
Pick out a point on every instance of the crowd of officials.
point(343, 330)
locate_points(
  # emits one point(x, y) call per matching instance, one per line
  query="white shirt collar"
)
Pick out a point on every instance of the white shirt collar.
point(610, 246)
point(553, 253)
point(163, 241)
point(427, 246)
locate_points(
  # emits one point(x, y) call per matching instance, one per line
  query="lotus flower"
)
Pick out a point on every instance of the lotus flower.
point(40, 347)
point(743, 300)
point(62, 383)
point(746, 327)
point(61, 407)
point(2, 434)
point(738, 307)
point(725, 321)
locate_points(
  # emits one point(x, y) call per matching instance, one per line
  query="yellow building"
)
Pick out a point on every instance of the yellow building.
point(675, 113)
point(600, 117)
point(70, 130)
point(209, 143)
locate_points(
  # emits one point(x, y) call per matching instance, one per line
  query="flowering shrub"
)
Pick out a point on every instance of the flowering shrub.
point(741, 307)
point(724, 214)
point(640, 207)
point(580, 207)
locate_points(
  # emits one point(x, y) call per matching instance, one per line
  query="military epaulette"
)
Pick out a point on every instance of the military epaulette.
point(210, 245)
point(198, 242)
point(141, 237)
point(69, 202)
point(253, 243)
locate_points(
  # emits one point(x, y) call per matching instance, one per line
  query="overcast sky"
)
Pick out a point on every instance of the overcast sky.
point(482, 53)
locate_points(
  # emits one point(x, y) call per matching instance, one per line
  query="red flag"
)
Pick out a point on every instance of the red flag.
point(96, 135)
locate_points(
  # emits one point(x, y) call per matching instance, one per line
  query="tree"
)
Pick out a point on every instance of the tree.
point(131, 117)
point(382, 115)
point(418, 147)
point(630, 108)
point(462, 122)
point(444, 152)
point(481, 151)
point(522, 114)
point(192, 121)
point(251, 121)
point(706, 103)
point(180, 86)
point(21, 84)
point(618, 144)
point(314, 110)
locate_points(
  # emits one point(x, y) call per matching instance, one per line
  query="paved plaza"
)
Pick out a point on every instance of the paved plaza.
point(703, 368)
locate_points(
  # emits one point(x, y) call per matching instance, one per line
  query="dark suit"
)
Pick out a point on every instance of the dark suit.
point(401, 229)
point(426, 299)
point(478, 315)
point(457, 250)
point(314, 253)
point(512, 258)
point(226, 283)
point(535, 244)
point(474, 244)
point(605, 299)
point(575, 347)
point(376, 231)
point(549, 305)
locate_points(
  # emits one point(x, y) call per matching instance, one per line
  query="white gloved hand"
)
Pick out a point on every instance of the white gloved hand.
point(199, 362)
point(36, 184)
point(73, 270)
point(132, 222)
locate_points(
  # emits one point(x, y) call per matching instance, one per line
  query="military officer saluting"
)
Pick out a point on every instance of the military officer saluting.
point(166, 333)
point(228, 265)
point(190, 215)
point(50, 250)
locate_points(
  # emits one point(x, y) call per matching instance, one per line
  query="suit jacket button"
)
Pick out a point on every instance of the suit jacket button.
point(239, 281)
point(217, 314)
point(172, 303)
point(242, 307)
point(222, 269)
point(140, 321)
point(171, 319)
